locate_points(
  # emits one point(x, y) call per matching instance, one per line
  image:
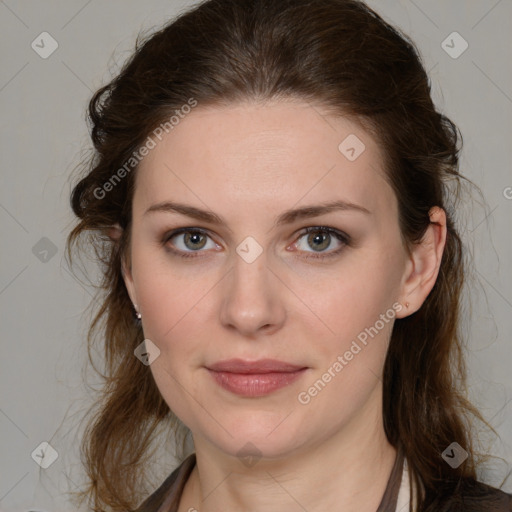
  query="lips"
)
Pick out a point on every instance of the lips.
point(256, 378)
point(254, 367)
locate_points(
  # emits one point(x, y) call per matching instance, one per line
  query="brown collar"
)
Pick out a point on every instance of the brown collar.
point(390, 496)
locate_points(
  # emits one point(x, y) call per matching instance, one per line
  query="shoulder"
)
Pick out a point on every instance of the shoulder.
point(474, 496)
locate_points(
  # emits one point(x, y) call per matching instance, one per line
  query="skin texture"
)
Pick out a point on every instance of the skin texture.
point(248, 163)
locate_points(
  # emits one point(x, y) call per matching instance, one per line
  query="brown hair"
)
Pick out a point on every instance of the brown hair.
point(337, 53)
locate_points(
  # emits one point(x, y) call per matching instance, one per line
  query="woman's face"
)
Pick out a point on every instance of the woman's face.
point(255, 285)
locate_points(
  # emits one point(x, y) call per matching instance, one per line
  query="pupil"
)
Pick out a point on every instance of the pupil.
point(320, 238)
point(195, 239)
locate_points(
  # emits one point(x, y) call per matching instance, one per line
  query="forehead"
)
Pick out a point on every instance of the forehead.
point(278, 153)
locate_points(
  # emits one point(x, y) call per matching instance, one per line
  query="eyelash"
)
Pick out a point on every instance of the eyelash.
point(342, 237)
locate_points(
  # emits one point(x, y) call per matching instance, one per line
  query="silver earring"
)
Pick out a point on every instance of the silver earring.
point(137, 314)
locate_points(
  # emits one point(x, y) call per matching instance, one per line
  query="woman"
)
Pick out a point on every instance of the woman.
point(269, 197)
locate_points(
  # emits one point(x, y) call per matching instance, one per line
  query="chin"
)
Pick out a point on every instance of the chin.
point(250, 440)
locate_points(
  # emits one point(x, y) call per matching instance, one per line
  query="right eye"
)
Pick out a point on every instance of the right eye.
point(193, 241)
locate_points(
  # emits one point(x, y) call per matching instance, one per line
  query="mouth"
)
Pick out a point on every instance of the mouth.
point(254, 378)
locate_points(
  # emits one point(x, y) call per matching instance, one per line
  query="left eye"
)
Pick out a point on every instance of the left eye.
point(320, 238)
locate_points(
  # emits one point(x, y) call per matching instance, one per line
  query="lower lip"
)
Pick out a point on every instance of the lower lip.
point(255, 384)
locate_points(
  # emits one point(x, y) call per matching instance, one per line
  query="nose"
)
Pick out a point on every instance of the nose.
point(252, 298)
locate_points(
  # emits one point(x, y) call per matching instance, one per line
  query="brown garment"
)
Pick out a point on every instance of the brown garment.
point(480, 498)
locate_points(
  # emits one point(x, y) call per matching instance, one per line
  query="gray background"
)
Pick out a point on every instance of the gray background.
point(43, 132)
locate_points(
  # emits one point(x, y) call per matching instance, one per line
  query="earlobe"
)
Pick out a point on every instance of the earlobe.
point(424, 263)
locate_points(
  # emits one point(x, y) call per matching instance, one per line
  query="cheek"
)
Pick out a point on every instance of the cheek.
point(167, 293)
point(349, 364)
point(355, 297)
point(172, 315)
point(172, 319)
point(359, 313)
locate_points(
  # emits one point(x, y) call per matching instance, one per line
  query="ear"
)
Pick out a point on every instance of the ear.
point(423, 264)
point(128, 281)
point(114, 232)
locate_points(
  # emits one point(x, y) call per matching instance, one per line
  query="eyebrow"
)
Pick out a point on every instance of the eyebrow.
point(287, 217)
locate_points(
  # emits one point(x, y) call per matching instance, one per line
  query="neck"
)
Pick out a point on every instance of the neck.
point(348, 471)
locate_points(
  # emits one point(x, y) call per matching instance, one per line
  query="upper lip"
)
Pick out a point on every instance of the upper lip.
point(260, 366)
